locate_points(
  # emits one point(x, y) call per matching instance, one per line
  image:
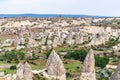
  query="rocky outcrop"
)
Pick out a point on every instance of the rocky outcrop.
point(32, 43)
point(116, 74)
point(88, 70)
point(19, 73)
point(24, 72)
point(28, 75)
point(78, 38)
point(55, 67)
point(10, 77)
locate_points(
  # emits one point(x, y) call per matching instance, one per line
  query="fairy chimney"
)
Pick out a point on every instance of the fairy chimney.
point(55, 67)
point(88, 70)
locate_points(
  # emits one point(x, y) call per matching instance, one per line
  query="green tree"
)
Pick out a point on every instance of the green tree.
point(13, 55)
point(101, 61)
point(77, 54)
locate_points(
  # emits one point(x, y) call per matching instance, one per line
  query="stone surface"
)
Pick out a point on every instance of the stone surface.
point(28, 75)
point(24, 72)
point(55, 67)
point(19, 73)
point(32, 43)
point(88, 70)
point(10, 77)
point(116, 74)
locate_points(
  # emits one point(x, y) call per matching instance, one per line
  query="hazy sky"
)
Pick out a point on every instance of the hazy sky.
point(89, 7)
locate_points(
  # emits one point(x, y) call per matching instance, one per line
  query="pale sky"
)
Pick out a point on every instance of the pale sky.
point(87, 7)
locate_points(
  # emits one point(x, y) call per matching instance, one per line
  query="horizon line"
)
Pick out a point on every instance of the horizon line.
point(54, 14)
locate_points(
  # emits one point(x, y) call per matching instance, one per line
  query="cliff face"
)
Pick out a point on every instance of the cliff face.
point(116, 74)
point(55, 67)
point(88, 70)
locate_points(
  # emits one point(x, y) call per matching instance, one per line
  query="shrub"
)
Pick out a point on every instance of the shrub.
point(101, 61)
point(13, 67)
point(68, 74)
point(76, 54)
point(13, 55)
point(105, 73)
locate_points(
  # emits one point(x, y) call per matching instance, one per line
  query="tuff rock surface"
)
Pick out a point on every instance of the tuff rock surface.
point(116, 74)
point(55, 67)
point(88, 70)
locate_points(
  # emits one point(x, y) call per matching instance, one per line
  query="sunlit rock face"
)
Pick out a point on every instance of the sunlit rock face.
point(88, 70)
point(31, 43)
point(28, 75)
point(19, 73)
point(55, 67)
point(78, 38)
point(24, 72)
point(116, 74)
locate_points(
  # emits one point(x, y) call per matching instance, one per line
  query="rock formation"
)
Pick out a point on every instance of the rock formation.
point(31, 43)
point(78, 38)
point(19, 73)
point(116, 74)
point(55, 67)
point(88, 70)
point(28, 75)
point(24, 72)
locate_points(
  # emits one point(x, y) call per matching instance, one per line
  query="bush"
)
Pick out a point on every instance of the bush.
point(13, 55)
point(68, 74)
point(12, 67)
point(101, 61)
point(104, 73)
point(76, 54)
point(102, 79)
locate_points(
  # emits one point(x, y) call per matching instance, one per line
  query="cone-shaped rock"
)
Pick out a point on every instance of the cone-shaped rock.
point(19, 73)
point(55, 67)
point(28, 75)
point(116, 74)
point(88, 70)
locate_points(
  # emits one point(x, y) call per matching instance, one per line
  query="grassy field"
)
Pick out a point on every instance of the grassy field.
point(72, 66)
